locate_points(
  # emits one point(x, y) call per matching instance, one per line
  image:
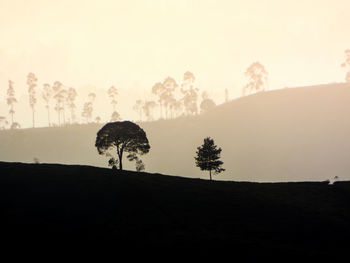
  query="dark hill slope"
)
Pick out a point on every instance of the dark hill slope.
point(60, 204)
point(296, 134)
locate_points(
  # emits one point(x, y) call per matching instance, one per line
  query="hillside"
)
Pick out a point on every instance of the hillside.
point(60, 205)
point(292, 134)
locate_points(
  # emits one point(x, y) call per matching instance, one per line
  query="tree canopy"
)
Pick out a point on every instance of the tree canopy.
point(122, 136)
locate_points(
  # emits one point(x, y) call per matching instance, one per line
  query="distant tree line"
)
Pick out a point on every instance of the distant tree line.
point(173, 100)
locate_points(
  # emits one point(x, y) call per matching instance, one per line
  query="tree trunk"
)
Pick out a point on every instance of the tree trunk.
point(48, 116)
point(210, 174)
point(33, 116)
point(120, 155)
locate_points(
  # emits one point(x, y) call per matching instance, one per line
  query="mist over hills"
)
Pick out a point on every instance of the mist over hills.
point(292, 134)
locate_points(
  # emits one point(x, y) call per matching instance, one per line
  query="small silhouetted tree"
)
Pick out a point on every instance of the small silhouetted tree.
point(121, 137)
point(11, 100)
point(3, 122)
point(115, 116)
point(207, 104)
point(208, 156)
point(31, 82)
point(257, 78)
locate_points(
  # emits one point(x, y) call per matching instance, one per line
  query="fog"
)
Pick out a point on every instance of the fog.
point(93, 45)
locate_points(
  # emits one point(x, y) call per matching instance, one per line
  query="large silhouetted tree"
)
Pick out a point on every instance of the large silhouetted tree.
point(31, 82)
point(208, 156)
point(47, 94)
point(257, 78)
point(122, 137)
point(11, 100)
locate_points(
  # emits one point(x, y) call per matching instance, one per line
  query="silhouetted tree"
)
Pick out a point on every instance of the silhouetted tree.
point(257, 78)
point(113, 93)
point(190, 93)
point(139, 165)
point(87, 111)
point(138, 107)
point(70, 99)
point(159, 90)
point(169, 100)
point(113, 163)
point(346, 64)
point(207, 104)
point(208, 156)
point(11, 100)
point(115, 116)
point(60, 95)
point(88, 107)
point(123, 137)
point(47, 94)
point(31, 82)
point(147, 108)
point(3, 122)
point(15, 125)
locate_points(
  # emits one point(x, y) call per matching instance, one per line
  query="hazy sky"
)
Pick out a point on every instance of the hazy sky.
point(131, 44)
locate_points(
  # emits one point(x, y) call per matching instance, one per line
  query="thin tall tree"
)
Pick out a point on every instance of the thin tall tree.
point(71, 96)
point(346, 64)
point(138, 106)
point(113, 93)
point(190, 93)
point(11, 100)
point(59, 97)
point(47, 95)
point(32, 83)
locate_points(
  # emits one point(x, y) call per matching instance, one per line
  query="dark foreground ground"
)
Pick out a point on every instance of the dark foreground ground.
point(61, 204)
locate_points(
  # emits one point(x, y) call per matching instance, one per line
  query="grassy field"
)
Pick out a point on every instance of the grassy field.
point(74, 204)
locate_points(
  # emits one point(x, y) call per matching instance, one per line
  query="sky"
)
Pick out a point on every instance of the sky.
point(92, 45)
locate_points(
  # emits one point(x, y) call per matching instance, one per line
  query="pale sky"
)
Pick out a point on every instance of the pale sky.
point(91, 45)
